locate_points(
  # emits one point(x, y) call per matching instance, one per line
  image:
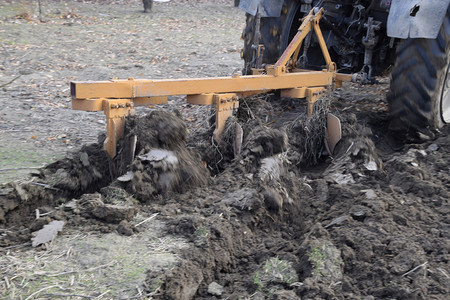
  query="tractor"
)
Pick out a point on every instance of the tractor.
point(301, 48)
point(410, 38)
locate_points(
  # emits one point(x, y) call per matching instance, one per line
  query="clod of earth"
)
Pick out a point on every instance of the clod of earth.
point(163, 163)
point(215, 289)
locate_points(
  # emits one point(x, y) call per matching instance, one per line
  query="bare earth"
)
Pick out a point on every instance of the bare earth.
point(278, 221)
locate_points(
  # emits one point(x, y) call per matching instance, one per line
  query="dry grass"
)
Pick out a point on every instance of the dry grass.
point(88, 266)
point(307, 134)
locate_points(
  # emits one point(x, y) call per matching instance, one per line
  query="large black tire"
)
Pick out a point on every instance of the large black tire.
point(419, 99)
point(275, 34)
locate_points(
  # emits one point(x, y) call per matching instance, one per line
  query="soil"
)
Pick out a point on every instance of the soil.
point(179, 216)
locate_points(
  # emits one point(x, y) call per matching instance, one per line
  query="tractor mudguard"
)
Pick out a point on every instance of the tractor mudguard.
point(267, 8)
point(416, 18)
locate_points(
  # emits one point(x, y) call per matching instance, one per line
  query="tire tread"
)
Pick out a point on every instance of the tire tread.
point(414, 83)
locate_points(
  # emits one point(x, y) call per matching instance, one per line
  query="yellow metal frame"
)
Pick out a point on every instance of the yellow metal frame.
point(117, 98)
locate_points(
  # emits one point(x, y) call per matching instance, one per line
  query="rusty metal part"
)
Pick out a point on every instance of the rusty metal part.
point(339, 78)
point(311, 95)
point(117, 98)
point(225, 105)
point(115, 111)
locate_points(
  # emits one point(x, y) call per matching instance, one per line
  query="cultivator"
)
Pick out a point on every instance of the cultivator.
point(117, 98)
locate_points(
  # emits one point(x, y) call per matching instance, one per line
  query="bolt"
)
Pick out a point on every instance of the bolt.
point(122, 105)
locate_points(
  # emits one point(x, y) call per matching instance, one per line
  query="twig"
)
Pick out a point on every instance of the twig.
point(77, 271)
point(47, 213)
point(5, 84)
point(217, 149)
point(18, 168)
point(16, 246)
point(133, 146)
point(154, 293)
point(99, 267)
point(102, 294)
point(333, 284)
point(47, 186)
point(296, 284)
point(41, 290)
point(15, 276)
point(249, 109)
point(419, 266)
point(7, 282)
point(67, 295)
point(68, 251)
point(443, 272)
point(146, 220)
point(349, 148)
point(139, 291)
point(20, 58)
point(270, 217)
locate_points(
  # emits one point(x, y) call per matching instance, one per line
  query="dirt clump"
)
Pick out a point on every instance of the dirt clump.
point(92, 205)
point(81, 172)
point(160, 162)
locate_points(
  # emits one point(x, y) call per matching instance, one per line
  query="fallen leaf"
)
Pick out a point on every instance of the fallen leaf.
point(47, 233)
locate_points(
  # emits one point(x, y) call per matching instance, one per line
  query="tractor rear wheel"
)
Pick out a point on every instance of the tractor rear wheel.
point(419, 99)
point(276, 33)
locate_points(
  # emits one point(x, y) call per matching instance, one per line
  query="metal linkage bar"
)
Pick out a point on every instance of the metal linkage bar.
point(117, 98)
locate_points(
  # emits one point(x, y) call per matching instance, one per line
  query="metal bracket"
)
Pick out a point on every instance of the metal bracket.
point(225, 104)
point(275, 70)
point(115, 110)
point(311, 95)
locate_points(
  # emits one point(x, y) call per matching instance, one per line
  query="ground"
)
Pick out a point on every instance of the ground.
point(190, 219)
